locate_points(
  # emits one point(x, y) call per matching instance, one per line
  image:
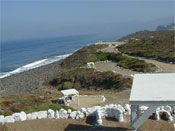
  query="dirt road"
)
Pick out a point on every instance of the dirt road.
point(111, 66)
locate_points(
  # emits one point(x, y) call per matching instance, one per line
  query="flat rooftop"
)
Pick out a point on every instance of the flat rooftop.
point(153, 89)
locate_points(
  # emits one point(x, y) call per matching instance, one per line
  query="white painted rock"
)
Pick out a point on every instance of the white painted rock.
point(168, 108)
point(91, 110)
point(50, 113)
point(19, 116)
point(143, 108)
point(168, 116)
point(73, 114)
point(32, 116)
point(9, 119)
point(79, 115)
point(63, 114)
point(157, 116)
point(83, 110)
point(42, 114)
point(121, 108)
point(1, 119)
point(174, 109)
point(127, 108)
point(69, 111)
point(98, 118)
point(57, 116)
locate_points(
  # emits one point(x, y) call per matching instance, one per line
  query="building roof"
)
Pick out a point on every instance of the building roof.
point(153, 89)
point(69, 92)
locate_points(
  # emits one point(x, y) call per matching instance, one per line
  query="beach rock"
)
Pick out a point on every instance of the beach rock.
point(57, 116)
point(41, 114)
point(19, 116)
point(50, 113)
point(63, 114)
point(73, 114)
point(69, 111)
point(9, 119)
point(98, 118)
point(127, 108)
point(1, 119)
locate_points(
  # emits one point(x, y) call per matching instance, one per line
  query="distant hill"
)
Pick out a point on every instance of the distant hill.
point(166, 27)
point(159, 45)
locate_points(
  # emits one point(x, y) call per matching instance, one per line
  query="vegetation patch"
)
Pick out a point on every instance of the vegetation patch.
point(90, 79)
point(159, 45)
point(126, 62)
point(30, 102)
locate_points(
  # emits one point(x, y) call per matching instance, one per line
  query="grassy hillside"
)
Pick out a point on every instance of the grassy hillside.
point(159, 45)
point(91, 54)
point(89, 79)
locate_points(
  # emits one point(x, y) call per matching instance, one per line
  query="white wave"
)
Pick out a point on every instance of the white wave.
point(34, 65)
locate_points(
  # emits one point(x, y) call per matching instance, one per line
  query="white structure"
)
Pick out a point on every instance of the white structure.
point(150, 89)
point(69, 92)
point(91, 65)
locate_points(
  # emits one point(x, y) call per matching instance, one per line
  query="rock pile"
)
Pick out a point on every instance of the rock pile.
point(111, 110)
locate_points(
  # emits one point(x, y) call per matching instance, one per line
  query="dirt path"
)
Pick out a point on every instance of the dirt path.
point(85, 125)
point(111, 66)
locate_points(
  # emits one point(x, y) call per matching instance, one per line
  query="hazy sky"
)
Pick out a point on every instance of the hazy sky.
point(29, 19)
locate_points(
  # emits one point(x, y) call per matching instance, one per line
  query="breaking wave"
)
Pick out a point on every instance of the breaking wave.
point(34, 65)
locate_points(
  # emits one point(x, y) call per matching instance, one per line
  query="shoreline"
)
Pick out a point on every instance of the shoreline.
point(29, 79)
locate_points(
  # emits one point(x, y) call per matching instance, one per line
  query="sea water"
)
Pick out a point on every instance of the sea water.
point(22, 55)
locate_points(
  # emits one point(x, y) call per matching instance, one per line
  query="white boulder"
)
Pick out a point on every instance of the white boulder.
point(1, 119)
point(168, 116)
point(32, 116)
point(168, 108)
point(41, 114)
point(73, 114)
point(63, 114)
point(50, 113)
point(80, 115)
point(57, 116)
point(143, 108)
point(19, 116)
point(91, 110)
point(157, 116)
point(98, 118)
point(9, 119)
point(127, 108)
point(83, 110)
point(69, 111)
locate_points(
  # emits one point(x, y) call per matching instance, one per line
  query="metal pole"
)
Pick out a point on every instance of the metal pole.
point(133, 116)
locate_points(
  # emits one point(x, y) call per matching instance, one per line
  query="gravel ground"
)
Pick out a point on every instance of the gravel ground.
point(30, 79)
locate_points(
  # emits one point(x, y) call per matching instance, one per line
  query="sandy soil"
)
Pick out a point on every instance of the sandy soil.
point(85, 124)
point(112, 66)
point(86, 101)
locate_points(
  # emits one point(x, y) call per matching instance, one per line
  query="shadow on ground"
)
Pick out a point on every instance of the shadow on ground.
point(75, 127)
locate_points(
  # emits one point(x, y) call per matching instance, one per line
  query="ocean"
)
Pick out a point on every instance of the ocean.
point(22, 55)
